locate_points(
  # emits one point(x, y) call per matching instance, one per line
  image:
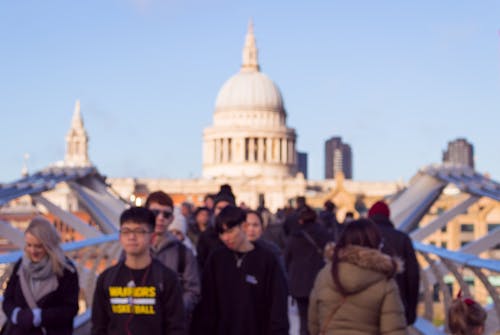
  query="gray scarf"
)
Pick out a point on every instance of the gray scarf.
point(36, 279)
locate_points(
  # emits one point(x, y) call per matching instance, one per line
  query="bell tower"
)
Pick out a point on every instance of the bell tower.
point(77, 141)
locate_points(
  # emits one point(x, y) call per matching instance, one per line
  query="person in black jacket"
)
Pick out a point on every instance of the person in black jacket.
point(42, 293)
point(244, 290)
point(397, 243)
point(254, 228)
point(304, 259)
point(209, 239)
point(139, 295)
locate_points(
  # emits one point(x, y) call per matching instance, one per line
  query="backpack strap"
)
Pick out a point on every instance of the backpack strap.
point(334, 311)
point(181, 262)
point(313, 242)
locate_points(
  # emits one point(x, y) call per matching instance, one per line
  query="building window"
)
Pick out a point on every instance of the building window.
point(264, 149)
point(444, 245)
point(493, 226)
point(247, 143)
point(467, 228)
point(255, 149)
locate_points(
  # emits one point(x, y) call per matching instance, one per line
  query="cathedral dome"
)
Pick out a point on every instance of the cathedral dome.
point(249, 90)
point(249, 136)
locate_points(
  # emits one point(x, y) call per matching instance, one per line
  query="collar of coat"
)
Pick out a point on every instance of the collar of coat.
point(371, 259)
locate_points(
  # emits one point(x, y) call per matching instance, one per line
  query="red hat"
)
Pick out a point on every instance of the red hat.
point(380, 208)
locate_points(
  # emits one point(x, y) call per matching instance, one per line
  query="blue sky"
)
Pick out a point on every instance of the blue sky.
point(396, 79)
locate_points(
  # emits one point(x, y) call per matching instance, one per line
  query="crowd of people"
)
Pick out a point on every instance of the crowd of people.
point(223, 269)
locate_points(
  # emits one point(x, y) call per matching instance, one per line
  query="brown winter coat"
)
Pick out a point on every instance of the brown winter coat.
point(373, 305)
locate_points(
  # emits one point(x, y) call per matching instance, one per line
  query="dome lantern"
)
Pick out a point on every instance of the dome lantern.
point(250, 52)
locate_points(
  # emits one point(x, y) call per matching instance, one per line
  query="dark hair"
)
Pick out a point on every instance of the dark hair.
point(159, 197)
point(301, 201)
point(363, 233)
point(329, 205)
point(199, 210)
point(464, 315)
point(307, 214)
point(209, 196)
point(139, 215)
point(229, 217)
point(257, 214)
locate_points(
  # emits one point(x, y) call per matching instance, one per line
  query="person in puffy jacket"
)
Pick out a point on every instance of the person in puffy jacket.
point(356, 293)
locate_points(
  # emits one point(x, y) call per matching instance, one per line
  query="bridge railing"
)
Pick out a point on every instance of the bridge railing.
point(450, 271)
point(90, 256)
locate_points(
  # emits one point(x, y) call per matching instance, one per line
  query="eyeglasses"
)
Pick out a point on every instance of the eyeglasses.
point(166, 214)
point(128, 232)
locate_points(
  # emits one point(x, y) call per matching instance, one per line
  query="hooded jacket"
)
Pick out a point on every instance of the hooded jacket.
point(167, 252)
point(372, 306)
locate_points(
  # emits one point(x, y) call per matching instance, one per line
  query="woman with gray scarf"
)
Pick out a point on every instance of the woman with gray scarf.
point(42, 293)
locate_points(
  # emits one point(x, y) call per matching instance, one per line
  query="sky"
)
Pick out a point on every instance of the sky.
point(397, 80)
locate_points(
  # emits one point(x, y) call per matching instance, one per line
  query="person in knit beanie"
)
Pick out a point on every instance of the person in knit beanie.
point(178, 228)
point(379, 208)
point(397, 243)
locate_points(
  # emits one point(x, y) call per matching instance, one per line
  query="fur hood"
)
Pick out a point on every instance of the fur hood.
point(360, 267)
point(371, 259)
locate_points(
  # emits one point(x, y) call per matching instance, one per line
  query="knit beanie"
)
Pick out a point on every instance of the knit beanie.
point(179, 222)
point(224, 196)
point(379, 208)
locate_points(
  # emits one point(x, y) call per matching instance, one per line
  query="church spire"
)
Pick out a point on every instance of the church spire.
point(250, 59)
point(77, 141)
point(24, 170)
point(77, 122)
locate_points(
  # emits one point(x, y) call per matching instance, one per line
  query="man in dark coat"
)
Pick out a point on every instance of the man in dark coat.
point(291, 223)
point(398, 243)
point(244, 290)
point(328, 218)
point(304, 258)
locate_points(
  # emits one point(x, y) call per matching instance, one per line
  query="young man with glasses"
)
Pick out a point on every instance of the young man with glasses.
point(171, 252)
point(139, 295)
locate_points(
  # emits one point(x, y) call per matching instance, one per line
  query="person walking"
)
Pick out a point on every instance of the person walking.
point(171, 252)
point(41, 296)
point(397, 243)
point(356, 293)
point(139, 295)
point(244, 290)
point(254, 228)
point(304, 259)
point(466, 317)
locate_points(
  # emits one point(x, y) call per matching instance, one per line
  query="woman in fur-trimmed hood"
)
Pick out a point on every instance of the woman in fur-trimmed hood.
point(356, 293)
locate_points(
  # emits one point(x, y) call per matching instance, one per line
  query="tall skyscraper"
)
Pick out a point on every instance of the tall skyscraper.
point(459, 152)
point(302, 163)
point(338, 158)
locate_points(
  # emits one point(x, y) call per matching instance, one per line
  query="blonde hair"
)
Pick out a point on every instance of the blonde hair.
point(45, 232)
point(465, 316)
